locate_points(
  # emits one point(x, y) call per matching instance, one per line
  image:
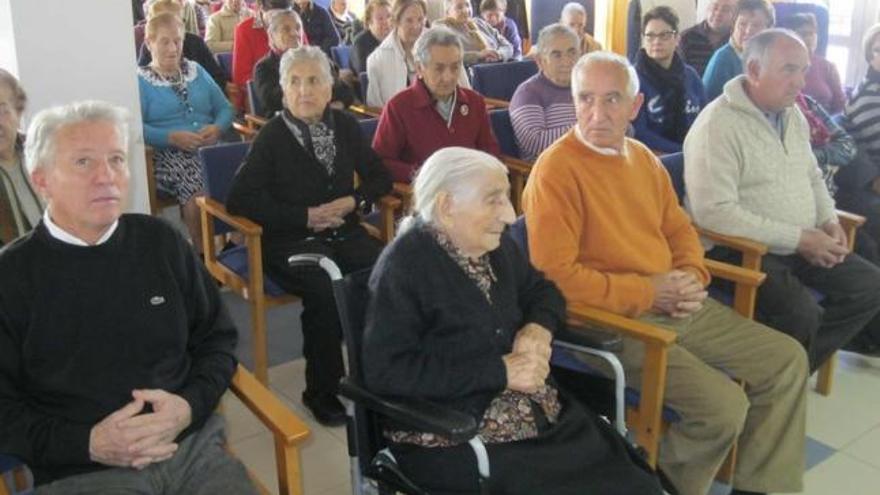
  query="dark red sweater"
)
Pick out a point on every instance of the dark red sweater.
point(411, 129)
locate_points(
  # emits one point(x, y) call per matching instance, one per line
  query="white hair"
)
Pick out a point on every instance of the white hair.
point(571, 8)
point(758, 46)
point(632, 83)
point(553, 31)
point(451, 170)
point(436, 36)
point(304, 54)
point(39, 148)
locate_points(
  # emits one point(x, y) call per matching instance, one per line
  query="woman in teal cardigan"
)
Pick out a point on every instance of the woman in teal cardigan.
point(183, 109)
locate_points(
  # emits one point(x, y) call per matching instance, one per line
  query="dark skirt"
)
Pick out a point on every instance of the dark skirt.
point(579, 455)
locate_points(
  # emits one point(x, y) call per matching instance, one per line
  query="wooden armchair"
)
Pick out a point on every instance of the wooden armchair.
point(241, 268)
point(752, 253)
point(287, 429)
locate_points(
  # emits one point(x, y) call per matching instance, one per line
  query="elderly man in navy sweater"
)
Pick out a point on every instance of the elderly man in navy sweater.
point(114, 345)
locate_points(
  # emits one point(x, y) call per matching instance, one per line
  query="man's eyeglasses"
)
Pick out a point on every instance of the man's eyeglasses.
point(664, 36)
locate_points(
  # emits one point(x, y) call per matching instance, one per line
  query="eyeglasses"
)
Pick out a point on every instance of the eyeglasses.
point(664, 36)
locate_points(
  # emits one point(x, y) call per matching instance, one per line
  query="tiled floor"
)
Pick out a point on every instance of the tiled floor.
point(843, 452)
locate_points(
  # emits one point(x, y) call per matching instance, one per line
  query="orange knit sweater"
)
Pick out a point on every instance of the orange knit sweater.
point(599, 226)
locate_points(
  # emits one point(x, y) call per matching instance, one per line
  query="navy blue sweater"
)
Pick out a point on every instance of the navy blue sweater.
point(655, 124)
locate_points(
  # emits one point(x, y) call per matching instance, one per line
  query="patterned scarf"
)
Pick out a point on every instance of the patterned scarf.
point(819, 133)
point(670, 82)
point(318, 139)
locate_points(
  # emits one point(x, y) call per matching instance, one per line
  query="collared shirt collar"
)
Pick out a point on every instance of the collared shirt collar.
point(597, 149)
point(424, 98)
point(66, 237)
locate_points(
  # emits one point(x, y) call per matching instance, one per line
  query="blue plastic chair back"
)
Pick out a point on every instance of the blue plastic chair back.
point(224, 60)
point(500, 80)
point(219, 166)
point(784, 11)
point(368, 128)
point(674, 164)
point(254, 99)
point(364, 80)
point(341, 55)
point(546, 12)
point(503, 129)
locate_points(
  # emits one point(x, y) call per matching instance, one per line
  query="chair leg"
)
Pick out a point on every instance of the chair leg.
point(289, 471)
point(825, 378)
point(4, 489)
point(261, 350)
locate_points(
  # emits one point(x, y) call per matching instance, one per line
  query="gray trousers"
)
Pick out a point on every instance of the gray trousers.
point(768, 416)
point(201, 465)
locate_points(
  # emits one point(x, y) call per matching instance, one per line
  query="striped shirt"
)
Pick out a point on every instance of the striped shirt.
point(541, 112)
point(863, 115)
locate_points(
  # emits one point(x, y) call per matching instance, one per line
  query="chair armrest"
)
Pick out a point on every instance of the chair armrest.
point(627, 326)
point(366, 110)
point(738, 243)
point(736, 274)
point(517, 165)
point(255, 121)
point(247, 133)
point(390, 202)
point(419, 414)
point(847, 219)
point(217, 210)
point(401, 189)
point(583, 336)
point(495, 103)
point(268, 408)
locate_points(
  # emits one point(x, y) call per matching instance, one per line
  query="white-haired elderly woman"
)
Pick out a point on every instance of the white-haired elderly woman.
point(183, 109)
point(297, 181)
point(473, 331)
point(20, 205)
point(286, 33)
point(391, 67)
point(434, 112)
point(481, 42)
point(542, 109)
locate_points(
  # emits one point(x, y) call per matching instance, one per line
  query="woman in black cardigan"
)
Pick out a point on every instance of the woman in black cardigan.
point(298, 183)
point(473, 331)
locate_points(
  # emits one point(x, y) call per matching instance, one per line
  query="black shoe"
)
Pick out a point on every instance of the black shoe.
point(326, 408)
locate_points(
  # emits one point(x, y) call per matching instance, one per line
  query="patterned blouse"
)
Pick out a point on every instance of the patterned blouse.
point(511, 416)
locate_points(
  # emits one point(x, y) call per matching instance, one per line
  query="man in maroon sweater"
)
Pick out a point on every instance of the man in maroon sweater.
point(433, 112)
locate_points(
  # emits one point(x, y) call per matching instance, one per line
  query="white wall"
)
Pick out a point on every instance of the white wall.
point(63, 51)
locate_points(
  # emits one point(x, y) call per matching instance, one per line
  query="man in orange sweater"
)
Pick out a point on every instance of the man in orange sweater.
point(604, 223)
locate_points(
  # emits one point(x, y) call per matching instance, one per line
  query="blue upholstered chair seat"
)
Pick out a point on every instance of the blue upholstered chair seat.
point(236, 259)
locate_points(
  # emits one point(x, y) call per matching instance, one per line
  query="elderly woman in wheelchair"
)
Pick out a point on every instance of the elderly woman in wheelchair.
point(457, 315)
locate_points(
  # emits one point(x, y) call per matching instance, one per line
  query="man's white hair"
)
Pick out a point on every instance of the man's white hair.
point(632, 83)
point(39, 147)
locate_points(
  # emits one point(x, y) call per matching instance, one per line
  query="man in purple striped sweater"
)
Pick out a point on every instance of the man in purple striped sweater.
point(542, 108)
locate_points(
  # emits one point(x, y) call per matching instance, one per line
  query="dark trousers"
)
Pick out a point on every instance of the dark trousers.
point(822, 308)
point(322, 334)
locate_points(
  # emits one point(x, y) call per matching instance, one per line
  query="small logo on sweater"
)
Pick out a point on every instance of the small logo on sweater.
point(464, 110)
point(157, 300)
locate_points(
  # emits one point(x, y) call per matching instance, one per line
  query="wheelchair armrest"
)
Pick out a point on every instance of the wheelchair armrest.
point(419, 414)
point(585, 336)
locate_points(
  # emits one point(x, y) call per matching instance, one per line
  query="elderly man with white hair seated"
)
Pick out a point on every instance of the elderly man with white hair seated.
point(542, 109)
point(604, 223)
point(574, 15)
point(473, 331)
point(115, 346)
point(750, 172)
point(297, 182)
